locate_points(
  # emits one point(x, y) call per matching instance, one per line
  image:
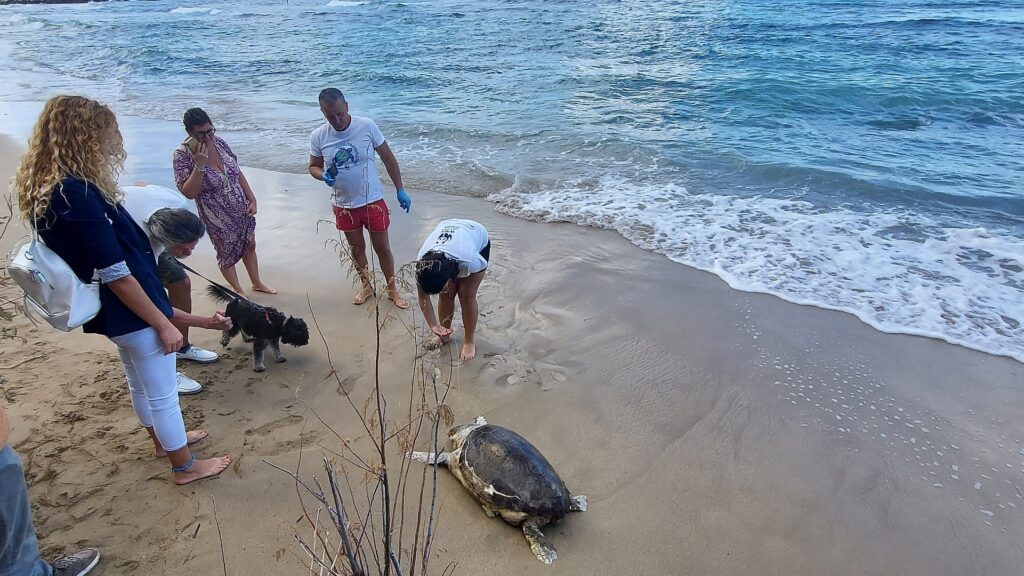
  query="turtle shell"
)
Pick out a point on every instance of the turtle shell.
point(521, 478)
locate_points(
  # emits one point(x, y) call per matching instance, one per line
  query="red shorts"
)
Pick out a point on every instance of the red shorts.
point(374, 217)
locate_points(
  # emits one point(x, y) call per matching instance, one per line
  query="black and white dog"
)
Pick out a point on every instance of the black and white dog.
point(261, 325)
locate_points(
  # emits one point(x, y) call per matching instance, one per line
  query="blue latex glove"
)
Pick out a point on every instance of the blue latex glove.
point(404, 200)
point(329, 179)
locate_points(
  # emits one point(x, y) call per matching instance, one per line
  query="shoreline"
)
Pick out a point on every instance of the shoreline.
point(161, 134)
point(712, 429)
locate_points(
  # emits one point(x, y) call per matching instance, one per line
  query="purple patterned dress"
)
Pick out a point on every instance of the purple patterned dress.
point(222, 203)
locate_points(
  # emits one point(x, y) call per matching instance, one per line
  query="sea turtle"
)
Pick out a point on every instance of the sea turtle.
point(509, 477)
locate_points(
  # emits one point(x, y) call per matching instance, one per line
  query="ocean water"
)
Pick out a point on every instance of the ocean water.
point(861, 155)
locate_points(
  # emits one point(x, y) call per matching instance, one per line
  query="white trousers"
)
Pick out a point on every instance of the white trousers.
point(152, 380)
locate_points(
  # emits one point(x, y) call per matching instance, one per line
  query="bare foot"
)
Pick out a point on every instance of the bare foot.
point(263, 288)
point(202, 469)
point(192, 436)
point(468, 352)
point(362, 296)
point(396, 297)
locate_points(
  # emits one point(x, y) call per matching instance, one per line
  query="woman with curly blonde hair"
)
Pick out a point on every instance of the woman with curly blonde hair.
point(67, 187)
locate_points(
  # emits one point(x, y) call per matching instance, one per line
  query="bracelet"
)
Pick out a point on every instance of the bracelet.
point(197, 169)
point(185, 467)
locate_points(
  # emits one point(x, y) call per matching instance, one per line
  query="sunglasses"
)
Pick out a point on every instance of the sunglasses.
point(203, 133)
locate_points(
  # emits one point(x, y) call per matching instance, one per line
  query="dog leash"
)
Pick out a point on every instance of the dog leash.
point(218, 285)
point(226, 289)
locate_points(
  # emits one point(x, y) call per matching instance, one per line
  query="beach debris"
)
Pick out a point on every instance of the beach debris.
point(510, 478)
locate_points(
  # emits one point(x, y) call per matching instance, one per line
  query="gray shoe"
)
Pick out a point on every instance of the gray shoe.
point(77, 564)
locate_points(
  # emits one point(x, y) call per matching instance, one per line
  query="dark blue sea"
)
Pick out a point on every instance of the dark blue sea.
point(861, 155)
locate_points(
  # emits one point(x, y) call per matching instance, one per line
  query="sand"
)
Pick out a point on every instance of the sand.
point(714, 431)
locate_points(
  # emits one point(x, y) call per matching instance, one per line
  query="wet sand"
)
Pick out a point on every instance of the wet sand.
point(714, 431)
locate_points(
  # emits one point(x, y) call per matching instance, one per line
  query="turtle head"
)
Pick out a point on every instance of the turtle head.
point(458, 434)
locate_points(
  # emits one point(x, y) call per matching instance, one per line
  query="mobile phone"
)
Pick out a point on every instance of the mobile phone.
point(192, 144)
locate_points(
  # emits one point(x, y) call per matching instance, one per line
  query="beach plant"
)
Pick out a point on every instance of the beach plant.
point(369, 514)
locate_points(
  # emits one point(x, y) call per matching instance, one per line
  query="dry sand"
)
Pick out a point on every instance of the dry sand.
point(714, 431)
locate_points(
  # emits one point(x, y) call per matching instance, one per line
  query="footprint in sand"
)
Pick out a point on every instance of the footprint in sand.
point(274, 425)
point(347, 385)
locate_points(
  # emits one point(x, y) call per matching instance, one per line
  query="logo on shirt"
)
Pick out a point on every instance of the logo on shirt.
point(446, 235)
point(346, 157)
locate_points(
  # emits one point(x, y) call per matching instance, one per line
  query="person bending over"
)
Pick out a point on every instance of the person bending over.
point(173, 229)
point(451, 263)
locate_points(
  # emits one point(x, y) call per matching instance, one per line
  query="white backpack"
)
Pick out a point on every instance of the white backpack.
point(52, 289)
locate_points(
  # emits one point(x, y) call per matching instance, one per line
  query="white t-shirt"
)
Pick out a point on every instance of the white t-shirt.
point(462, 240)
point(352, 151)
point(142, 201)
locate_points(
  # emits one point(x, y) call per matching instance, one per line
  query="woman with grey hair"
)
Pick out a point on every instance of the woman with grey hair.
point(178, 229)
point(173, 230)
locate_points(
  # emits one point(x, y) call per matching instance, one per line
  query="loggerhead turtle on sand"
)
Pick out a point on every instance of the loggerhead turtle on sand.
point(509, 477)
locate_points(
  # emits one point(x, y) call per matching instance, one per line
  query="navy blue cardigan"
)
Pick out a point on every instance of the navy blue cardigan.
point(91, 234)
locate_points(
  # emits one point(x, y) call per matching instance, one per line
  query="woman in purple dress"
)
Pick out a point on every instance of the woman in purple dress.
point(206, 170)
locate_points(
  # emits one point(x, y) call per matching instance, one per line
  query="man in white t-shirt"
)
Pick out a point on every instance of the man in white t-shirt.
point(341, 154)
point(173, 228)
point(451, 263)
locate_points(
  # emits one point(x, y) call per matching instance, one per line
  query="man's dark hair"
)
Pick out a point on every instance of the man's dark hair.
point(173, 226)
point(434, 270)
point(330, 96)
point(195, 117)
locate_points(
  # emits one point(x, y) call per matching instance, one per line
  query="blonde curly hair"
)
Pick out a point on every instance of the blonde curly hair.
point(74, 137)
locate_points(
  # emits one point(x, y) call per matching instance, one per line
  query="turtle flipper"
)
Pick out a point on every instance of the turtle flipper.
point(542, 548)
point(578, 503)
point(429, 457)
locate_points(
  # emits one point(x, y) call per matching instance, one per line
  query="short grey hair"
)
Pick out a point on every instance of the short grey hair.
point(172, 226)
point(330, 96)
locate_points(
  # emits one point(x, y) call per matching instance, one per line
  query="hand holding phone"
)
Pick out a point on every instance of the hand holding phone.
point(200, 156)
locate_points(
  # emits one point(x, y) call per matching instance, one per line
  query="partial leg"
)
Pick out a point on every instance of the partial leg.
point(151, 379)
point(445, 313)
point(275, 345)
point(467, 290)
point(382, 247)
point(232, 277)
point(192, 436)
point(542, 548)
point(258, 346)
point(357, 246)
point(19, 549)
point(227, 335)
point(179, 292)
point(252, 266)
point(429, 457)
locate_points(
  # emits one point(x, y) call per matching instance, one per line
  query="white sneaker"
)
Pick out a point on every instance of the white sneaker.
point(188, 386)
point(197, 354)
